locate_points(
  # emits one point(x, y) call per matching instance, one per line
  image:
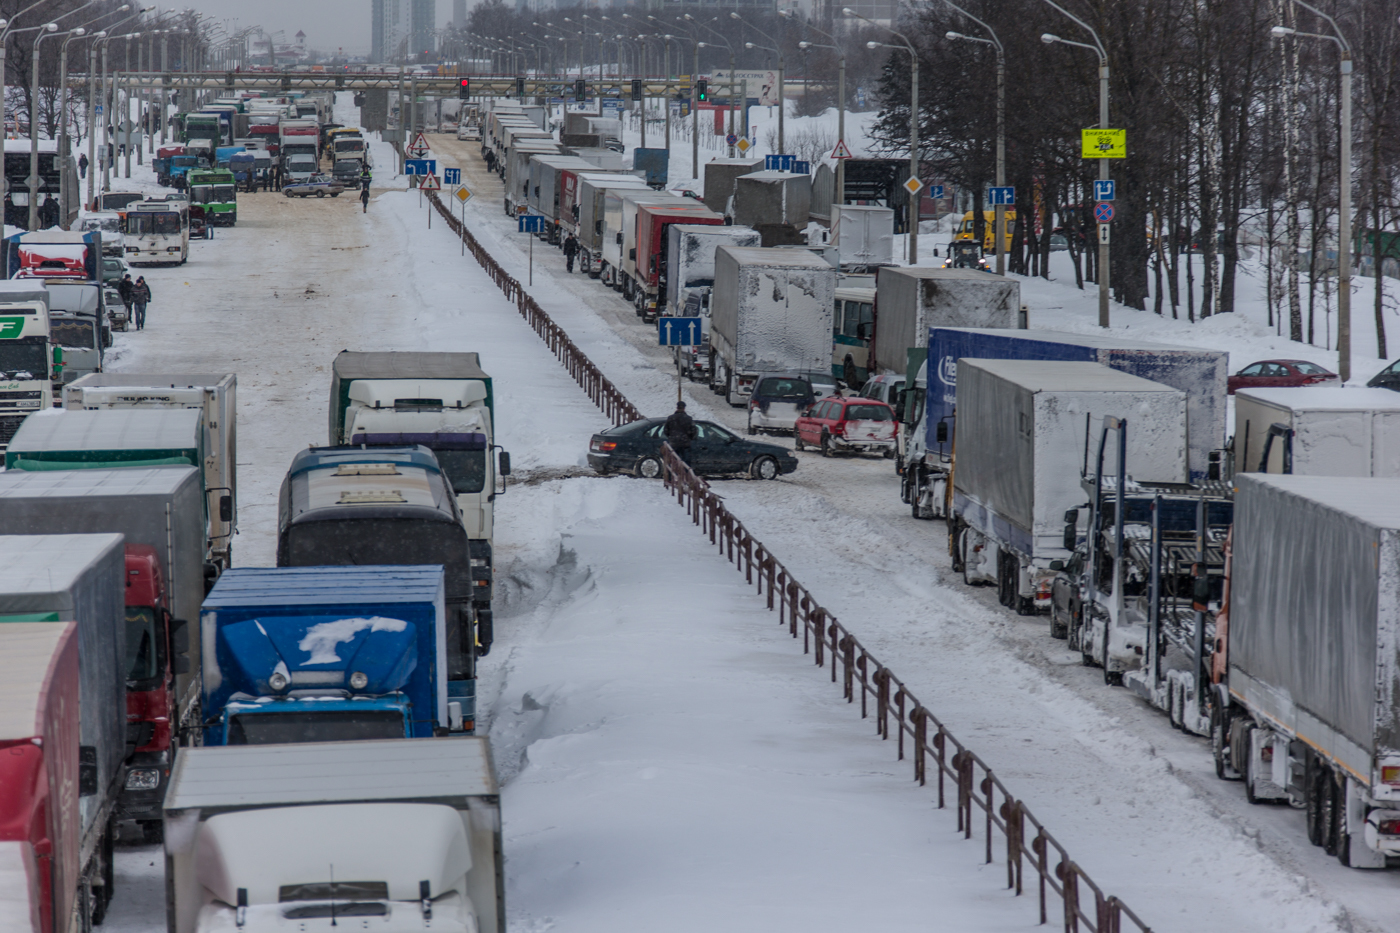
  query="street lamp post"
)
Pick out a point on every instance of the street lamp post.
point(1105, 275)
point(1344, 183)
point(999, 226)
point(45, 31)
point(913, 217)
point(782, 70)
point(697, 22)
point(840, 106)
point(694, 101)
point(5, 32)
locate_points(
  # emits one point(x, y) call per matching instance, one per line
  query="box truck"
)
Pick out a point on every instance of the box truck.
point(1318, 431)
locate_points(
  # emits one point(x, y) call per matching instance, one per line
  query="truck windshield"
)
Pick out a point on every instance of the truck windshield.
point(23, 360)
point(330, 726)
point(77, 335)
point(143, 661)
point(465, 469)
point(224, 193)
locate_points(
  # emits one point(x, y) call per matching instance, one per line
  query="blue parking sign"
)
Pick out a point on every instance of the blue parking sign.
point(452, 176)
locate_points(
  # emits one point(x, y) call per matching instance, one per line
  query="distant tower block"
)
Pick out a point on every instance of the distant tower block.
point(459, 13)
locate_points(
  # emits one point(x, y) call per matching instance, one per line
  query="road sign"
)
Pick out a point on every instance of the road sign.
point(463, 194)
point(778, 163)
point(731, 139)
point(531, 223)
point(743, 146)
point(913, 186)
point(420, 142)
point(1104, 189)
point(420, 166)
point(430, 183)
point(1105, 233)
point(841, 151)
point(1001, 196)
point(1103, 212)
point(1103, 144)
point(452, 176)
point(802, 168)
point(681, 331)
point(935, 192)
point(98, 109)
point(34, 181)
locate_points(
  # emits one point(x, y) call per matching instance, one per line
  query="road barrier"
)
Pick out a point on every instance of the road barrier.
point(978, 795)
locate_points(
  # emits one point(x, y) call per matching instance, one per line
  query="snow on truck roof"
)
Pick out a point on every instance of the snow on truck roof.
point(237, 777)
point(1325, 398)
point(109, 429)
point(235, 854)
point(39, 571)
point(1063, 376)
point(1371, 500)
point(352, 364)
point(325, 586)
point(1096, 341)
point(26, 664)
point(73, 484)
point(769, 257)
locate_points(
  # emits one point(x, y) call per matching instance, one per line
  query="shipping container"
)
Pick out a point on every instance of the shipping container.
point(762, 198)
point(720, 175)
point(1318, 431)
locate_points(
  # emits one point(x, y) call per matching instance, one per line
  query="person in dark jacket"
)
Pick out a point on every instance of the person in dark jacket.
point(82, 165)
point(140, 297)
point(680, 432)
point(126, 289)
point(570, 251)
point(490, 160)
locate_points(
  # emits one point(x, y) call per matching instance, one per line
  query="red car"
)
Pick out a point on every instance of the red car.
point(1279, 374)
point(836, 424)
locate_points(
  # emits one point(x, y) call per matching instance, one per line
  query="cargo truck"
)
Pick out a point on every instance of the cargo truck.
point(620, 230)
point(645, 267)
point(1201, 374)
point(571, 191)
point(1026, 428)
point(443, 401)
point(627, 278)
point(771, 311)
point(30, 363)
point(515, 172)
point(61, 579)
point(592, 209)
point(214, 394)
point(393, 835)
point(864, 234)
point(1305, 701)
point(158, 513)
point(1318, 431)
point(314, 654)
point(39, 778)
point(690, 279)
point(385, 505)
point(911, 300)
point(78, 325)
point(546, 181)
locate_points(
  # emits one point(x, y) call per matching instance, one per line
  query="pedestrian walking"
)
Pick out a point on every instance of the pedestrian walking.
point(126, 289)
point(570, 251)
point(490, 160)
point(364, 199)
point(140, 297)
point(82, 165)
point(680, 432)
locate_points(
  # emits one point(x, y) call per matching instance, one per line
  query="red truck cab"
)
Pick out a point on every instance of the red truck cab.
point(652, 223)
point(150, 690)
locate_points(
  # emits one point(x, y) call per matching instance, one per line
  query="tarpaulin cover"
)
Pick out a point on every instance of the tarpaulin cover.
point(771, 310)
point(913, 299)
point(1314, 600)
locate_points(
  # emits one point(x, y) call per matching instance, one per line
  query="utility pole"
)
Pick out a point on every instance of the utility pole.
point(999, 225)
point(913, 212)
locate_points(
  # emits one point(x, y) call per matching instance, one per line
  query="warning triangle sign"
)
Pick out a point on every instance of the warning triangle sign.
point(430, 183)
point(420, 142)
point(841, 152)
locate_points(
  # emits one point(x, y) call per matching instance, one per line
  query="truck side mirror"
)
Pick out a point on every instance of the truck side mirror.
point(503, 466)
point(632, 254)
point(940, 433)
point(226, 508)
point(1213, 466)
point(1071, 516)
point(619, 238)
point(1057, 565)
point(58, 357)
point(180, 646)
point(1071, 536)
point(87, 770)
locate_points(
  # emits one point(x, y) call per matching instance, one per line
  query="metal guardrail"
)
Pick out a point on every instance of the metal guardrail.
point(978, 794)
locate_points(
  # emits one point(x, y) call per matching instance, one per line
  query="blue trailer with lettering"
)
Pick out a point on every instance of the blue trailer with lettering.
point(308, 654)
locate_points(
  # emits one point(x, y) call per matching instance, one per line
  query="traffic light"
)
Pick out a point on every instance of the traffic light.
point(464, 89)
point(580, 89)
point(702, 90)
point(520, 86)
point(636, 88)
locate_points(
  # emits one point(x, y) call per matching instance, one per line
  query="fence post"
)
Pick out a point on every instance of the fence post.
point(920, 717)
point(1069, 884)
point(988, 790)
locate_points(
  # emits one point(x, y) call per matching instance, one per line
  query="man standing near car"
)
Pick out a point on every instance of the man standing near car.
point(680, 432)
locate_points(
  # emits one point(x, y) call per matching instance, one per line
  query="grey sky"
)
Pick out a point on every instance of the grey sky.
point(328, 24)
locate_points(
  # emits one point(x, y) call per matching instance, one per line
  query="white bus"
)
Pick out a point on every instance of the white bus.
point(158, 233)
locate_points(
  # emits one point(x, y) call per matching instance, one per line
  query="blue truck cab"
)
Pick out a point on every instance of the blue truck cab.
point(316, 654)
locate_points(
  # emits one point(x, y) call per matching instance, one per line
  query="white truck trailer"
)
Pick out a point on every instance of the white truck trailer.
point(1318, 431)
point(771, 311)
point(385, 834)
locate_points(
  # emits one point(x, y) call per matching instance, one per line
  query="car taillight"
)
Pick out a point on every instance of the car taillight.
point(1388, 827)
point(1390, 774)
point(604, 447)
point(839, 428)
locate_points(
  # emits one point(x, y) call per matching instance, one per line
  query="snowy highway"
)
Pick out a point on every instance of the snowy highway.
point(666, 756)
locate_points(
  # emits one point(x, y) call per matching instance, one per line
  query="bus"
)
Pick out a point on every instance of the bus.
point(215, 189)
point(967, 231)
point(855, 316)
point(158, 233)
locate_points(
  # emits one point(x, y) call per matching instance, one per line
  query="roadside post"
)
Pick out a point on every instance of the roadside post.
point(681, 333)
point(531, 224)
point(430, 183)
point(463, 194)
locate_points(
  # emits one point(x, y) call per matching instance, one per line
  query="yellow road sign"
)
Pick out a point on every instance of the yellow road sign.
point(913, 186)
point(743, 146)
point(1103, 144)
point(463, 195)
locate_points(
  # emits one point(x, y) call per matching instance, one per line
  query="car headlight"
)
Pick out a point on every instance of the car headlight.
point(143, 779)
point(278, 681)
point(359, 680)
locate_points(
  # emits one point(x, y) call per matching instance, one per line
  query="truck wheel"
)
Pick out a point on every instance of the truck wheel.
point(1333, 814)
point(648, 468)
point(1110, 678)
point(1249, 775)
point(1025, 605)
point(1058, 627)
point(1313, 777)
point(1219, 729)
point(797, 442)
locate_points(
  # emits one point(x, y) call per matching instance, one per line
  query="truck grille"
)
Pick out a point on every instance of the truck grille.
point(20, 395)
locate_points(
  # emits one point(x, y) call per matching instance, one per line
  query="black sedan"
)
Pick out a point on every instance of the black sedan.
point(636, 448)
point(1388, 378)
